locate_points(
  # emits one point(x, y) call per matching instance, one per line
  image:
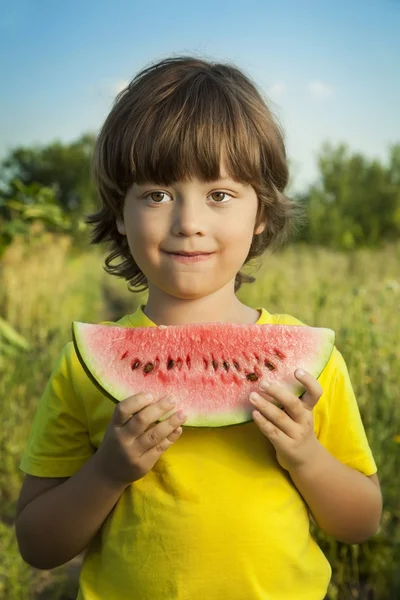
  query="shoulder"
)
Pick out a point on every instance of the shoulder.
point(286, 319)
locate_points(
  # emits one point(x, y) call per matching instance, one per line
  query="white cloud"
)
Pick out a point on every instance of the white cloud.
point(277, 90)
point(109, 88)
point(319, 89)
point(120, 85)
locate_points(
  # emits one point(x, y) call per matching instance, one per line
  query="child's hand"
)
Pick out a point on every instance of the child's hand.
point(290, 430)
point(133, 442)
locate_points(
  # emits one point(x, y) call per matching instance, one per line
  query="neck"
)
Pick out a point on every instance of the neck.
point(221, 306)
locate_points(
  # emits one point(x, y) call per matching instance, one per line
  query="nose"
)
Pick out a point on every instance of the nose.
point(188, 218)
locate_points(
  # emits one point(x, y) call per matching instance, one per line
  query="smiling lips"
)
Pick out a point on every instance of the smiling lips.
point(182, 253)
point(195, 256)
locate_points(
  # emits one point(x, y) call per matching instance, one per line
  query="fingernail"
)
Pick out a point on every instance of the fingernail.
point(254, 397)
point(264, 385)
point(300, 372)
point(171, 400)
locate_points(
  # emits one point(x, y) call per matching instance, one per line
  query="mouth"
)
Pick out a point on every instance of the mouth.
point(185, 253)
point(189, 256)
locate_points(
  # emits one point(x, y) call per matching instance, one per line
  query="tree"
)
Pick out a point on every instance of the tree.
point(356, 200)
point(62, 167)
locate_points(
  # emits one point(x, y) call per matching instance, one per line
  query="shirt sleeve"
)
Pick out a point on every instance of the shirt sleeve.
point(337, 418)
point(59, 442)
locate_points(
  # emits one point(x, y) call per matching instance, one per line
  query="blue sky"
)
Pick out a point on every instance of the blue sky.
point(330, 67)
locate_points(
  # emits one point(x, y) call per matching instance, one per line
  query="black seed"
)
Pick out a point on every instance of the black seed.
point(269, 365)
point(136, 364)
point(225, 365)
point(170, 364)
point(149, 367)
point(214, 364)
point(252, 376)
point(188, 361)
point(236, 365)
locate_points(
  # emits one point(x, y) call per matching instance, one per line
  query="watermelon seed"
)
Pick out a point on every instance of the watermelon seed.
point(149, 367)
point(214, 364)
point(188, 361)
point(269, 365)
point(252, 376)
point(236, 365)
point(205, 361)
point(225, 365)
point(279, 354)
point(136, 364)
point(179, 363)
point(125, 354)
point(170, 364)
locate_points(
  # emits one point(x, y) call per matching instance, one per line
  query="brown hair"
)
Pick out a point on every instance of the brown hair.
point(172, 122)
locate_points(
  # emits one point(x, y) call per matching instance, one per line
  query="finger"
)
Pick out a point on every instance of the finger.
point(151, 413)
point(275, 435)
point(151, 456)
point(274, 415)
point(290, 402)
point(157, 435)
point(313, 391)
point(125, 409)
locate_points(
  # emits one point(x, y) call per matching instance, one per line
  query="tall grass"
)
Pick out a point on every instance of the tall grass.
point(45, 286)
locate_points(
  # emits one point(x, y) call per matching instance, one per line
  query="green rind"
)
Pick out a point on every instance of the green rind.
point(88, 373)
point(214, 420)
point(328, 353)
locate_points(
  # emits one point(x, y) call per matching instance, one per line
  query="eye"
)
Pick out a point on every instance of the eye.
point(220, 200)
point(156, 197)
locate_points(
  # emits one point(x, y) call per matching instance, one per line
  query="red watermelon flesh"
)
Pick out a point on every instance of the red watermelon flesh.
point(211, 368)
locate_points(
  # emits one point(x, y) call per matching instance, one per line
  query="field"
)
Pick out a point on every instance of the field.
point(45, 285)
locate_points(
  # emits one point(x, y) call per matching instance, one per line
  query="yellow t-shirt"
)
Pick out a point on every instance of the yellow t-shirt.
point(216, 518)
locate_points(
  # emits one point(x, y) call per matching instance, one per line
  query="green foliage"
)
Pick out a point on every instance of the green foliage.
point(15, 575)
point(63, 167)
point(31, 209)
point(356, 201)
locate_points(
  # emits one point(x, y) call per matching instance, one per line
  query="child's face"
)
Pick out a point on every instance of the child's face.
point(217, 218)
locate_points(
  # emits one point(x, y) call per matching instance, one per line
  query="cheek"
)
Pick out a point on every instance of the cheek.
point(239, 232)
point(144, 232)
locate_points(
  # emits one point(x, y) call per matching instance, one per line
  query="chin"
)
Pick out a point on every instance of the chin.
point(191, 292)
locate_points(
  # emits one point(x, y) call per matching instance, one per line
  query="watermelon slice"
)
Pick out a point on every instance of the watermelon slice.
point(211, 368)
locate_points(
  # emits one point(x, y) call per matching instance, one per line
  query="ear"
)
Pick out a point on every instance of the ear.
point(260, 228)
point(121, 226)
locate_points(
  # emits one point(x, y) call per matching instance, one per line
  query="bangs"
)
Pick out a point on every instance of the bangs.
point(189, 133)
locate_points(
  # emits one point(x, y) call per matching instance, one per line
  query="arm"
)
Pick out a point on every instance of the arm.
point(344, 503)
point(57, 518)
